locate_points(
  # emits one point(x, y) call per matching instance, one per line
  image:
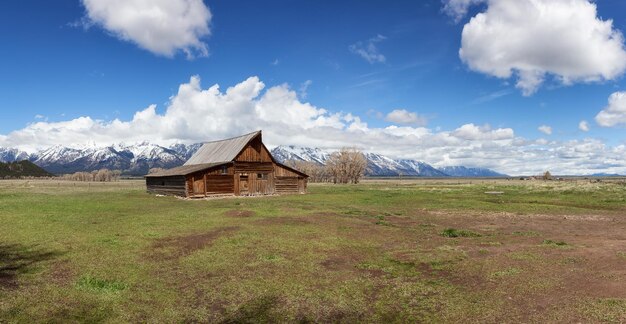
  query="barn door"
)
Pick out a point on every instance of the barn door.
point(243, 185)
point(198, 187)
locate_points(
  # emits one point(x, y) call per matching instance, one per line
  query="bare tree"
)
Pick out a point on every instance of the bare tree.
point(347, 165)
point(547, 175)
point(102, 175)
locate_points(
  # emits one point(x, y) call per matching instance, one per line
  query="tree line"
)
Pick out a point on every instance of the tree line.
point(347, 165)
point(102, 175)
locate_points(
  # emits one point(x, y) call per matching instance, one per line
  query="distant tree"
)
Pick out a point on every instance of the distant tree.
point(347, 165)
point(547, 175)
point(102, 175)
point(316, 172)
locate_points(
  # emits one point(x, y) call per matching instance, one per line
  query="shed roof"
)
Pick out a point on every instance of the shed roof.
point(184, 170)
point(221, 151)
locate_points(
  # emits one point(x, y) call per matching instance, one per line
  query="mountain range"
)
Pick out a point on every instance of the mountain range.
point(138, 159)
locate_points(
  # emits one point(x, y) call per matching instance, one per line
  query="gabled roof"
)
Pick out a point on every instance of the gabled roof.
point(184, 170)
point(221, 151)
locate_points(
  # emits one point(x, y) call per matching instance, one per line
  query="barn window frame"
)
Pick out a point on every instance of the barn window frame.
point(261, 176)
point(224, 169)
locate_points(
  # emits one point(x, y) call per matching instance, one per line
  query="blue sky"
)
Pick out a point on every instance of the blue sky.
point(350, 60)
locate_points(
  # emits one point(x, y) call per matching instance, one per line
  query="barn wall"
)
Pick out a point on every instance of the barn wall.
point(281, 171)
point(211, 182)
point(172, 186)
point(255, 151)
point(287, 181)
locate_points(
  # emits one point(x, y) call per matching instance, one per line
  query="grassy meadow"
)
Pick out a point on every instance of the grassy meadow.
point(380, 251)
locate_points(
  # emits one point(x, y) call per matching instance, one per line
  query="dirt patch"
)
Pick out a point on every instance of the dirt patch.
point(240, 213)
point(179, 246)
point(16, 259)
point(61, 273)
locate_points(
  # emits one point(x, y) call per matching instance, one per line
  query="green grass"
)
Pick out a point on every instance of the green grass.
point(375, 252)
point(99, 285)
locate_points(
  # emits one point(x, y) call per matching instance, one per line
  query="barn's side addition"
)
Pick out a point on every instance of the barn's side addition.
point(239, 166)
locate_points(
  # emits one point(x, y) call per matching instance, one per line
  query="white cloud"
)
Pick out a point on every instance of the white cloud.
point(615, 113)
point(195, 114)
point(304, 87)
point(534, 39)
point(457, 9)
point(405, 117)
point(368, 49)
point(163, 27)
point(39, 116)
point(545, 129)
point(583, 126)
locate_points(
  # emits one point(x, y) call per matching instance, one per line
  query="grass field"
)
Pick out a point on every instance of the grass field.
point(382, 251)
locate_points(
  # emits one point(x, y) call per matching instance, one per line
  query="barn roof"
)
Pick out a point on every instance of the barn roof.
point(221, 151)
point(184, 170)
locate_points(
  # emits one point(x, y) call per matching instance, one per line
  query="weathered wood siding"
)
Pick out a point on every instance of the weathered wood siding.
point(220, 184)
point(255, 151)
point(213, 181)
point(287, 181)
point(280, 171)
point(286, 185)
point(172, 186)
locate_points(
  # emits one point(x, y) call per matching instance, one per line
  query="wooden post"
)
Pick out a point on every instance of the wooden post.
point(205, 184)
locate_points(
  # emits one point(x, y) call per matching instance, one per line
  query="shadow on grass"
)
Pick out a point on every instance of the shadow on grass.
point(255, 311)
point(16, 259)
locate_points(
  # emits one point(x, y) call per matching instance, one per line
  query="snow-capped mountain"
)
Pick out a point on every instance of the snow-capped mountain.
point(461, 171)
point(296, 153)
point(138, 159)
point(134, 159)
point(11, 155)
point(380, 165)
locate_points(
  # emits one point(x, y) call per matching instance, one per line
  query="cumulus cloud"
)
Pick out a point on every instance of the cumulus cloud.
point(583, 126)
point(535, 39)
point(368, 49)
point(196, 114)
point(545, 129)
point(615, 113)
point(405, 117)
point(162, 27)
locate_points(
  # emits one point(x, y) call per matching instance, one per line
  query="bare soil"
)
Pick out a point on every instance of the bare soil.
point(179, 246)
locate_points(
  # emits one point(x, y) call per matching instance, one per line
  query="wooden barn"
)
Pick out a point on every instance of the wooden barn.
point(240, 166)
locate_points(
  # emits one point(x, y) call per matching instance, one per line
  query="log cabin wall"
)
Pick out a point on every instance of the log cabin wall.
point(287, 181)
point(171, 186)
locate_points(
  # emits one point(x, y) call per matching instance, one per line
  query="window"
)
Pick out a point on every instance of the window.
point(224, 169)
point(262, 176)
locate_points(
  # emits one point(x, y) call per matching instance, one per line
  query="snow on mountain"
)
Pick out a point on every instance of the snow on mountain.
point(139, 158)
point(135, 159)
point(461, 171)
point(295, 153)
point(12, 155)
point(377, 165)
